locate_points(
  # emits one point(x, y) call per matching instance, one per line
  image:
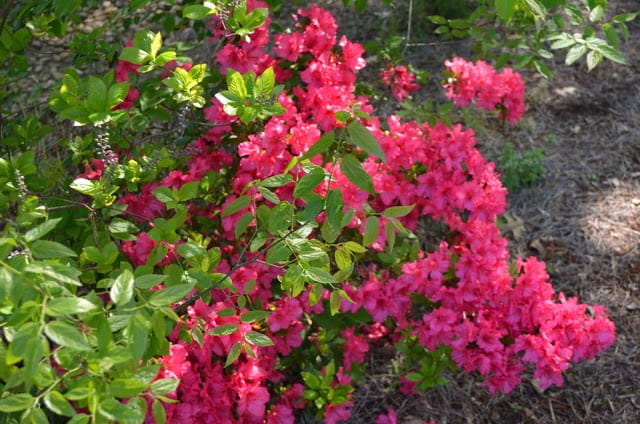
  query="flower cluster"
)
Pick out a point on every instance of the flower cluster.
point(493, 319)
point(481, 83)
point(401, 82)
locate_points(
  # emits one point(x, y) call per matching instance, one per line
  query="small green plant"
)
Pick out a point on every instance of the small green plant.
point(520, 169)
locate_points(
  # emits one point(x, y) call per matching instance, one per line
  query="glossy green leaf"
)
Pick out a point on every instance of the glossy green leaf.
point(158, 412)
point(575, 53)
point(224, 330)
point(397, 211)
point(234, 354)
point(306, 184)
point(196, 11)
point(236, 206)
point(57, 403)
point(45, 249)
point(258, 339)
point(41, 230)
point(60, 306)
point(122, 289)
point(334, 302)
point(319, 275)
point(138, 335)
point(371, 230)
point(253, 316)
point(170, 295)
point(16, 403)
point(362, 137)
point(320, 146)
point(505, 9)
point(355, 173)
point(66, 335)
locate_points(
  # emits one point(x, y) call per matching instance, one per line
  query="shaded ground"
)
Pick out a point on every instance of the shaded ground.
point(582, 218)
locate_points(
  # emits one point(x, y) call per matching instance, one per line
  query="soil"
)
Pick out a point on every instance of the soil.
point(582, 217)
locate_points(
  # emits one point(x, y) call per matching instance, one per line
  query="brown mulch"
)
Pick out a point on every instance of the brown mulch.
point(582, 217)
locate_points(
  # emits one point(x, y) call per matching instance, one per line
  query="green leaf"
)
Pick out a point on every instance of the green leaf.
point(85, 186)
point(196, 11)
point(276, 181)
point(188, 191)
point(320, 146)
point(16, 403)
point(170, 295)
point(134, 55)
point(253, 316)
point(78, 393)
point(155, 44)
point(306, 184)
point(596, 13)
point(594, 58)
point(236, 206)
point(334, 209)
point(362, 137)
point(342, 257)
point(505, 9)
point(624, 17)
point(164, 386)
point(371, 230)
point(97, 97)
point(278, 253)
point(319, 275)
point(163, 194)
point(538, 9)
point(269, 195)
point(234, 354)
point(126, 387)
point(355, 247)
point(224, 330)
point(66, 335)
point(148, 281)
point(158, 253)
point(158, 412)
point(397, 211)
point(61, 306)
point(562, 42)
point(236, 83)
point(353, 170)
point(575, 53)
point(243, 223)
point(138, 335)
point(315, 205)
point(44, 249)
point(612, 54)
point(190, 250)
point(56, 273)
point(334, 302)
point(116, 411)
point(265, 84)
point(79, 419)
point(611, 34)
point(41, 230)
point(258, 339)
point(117, 93)
point(122, 289)
point(57, 403)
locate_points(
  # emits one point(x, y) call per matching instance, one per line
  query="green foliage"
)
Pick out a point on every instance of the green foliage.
point(71, 300)
point(520, 169)
point(522, 32)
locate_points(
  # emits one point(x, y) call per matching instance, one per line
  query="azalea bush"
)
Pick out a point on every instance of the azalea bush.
point(239, 233)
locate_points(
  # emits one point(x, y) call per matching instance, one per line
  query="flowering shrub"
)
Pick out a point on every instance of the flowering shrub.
point(243, 263)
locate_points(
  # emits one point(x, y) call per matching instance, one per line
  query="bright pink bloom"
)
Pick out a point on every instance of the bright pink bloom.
point(400, 81)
